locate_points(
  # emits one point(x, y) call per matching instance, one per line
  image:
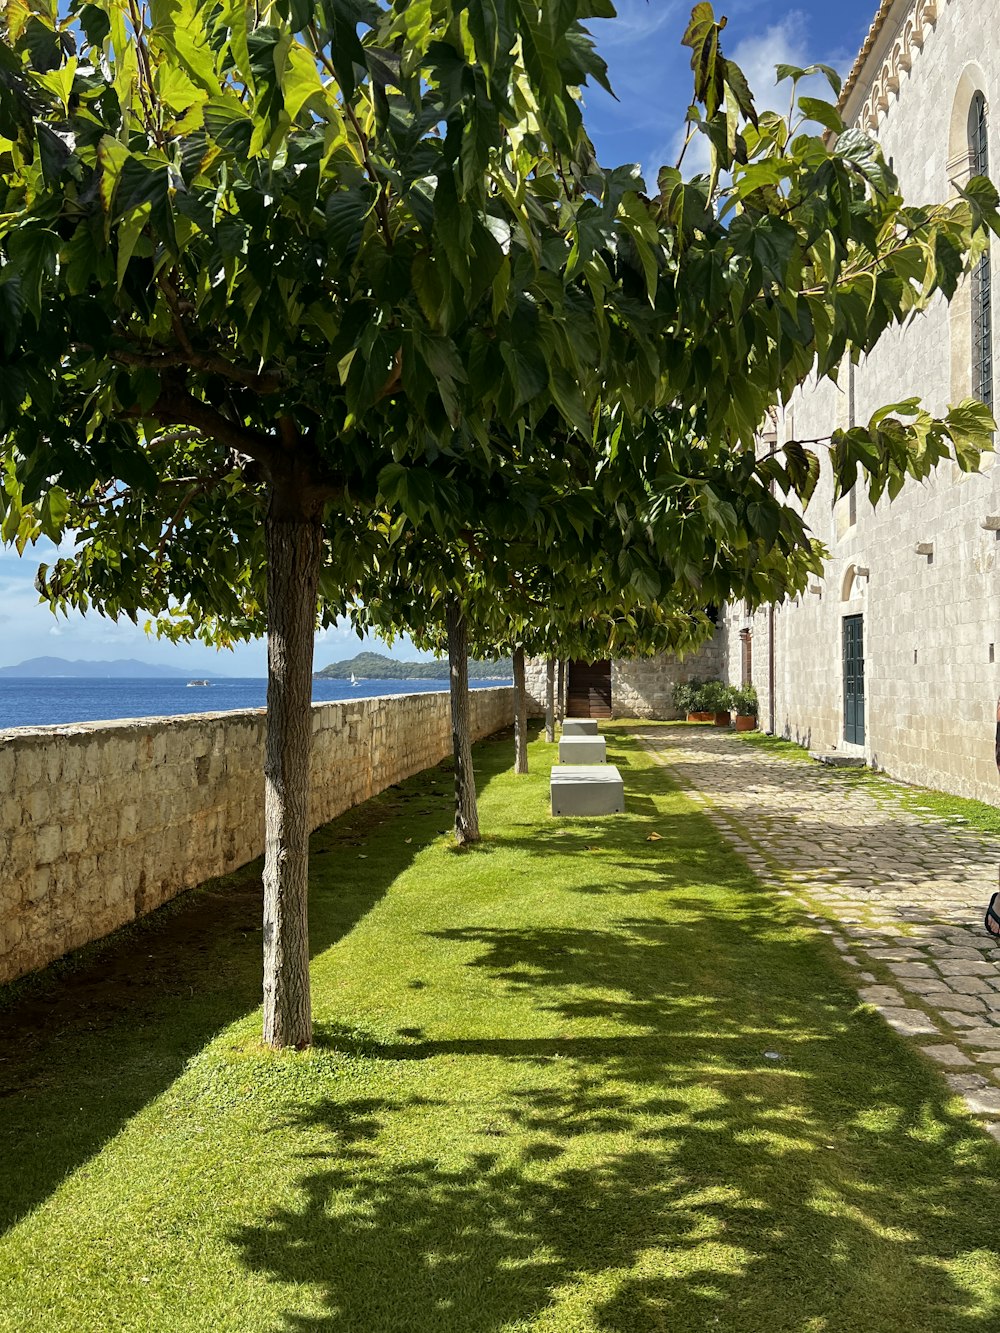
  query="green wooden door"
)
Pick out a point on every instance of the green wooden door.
point(854, 680)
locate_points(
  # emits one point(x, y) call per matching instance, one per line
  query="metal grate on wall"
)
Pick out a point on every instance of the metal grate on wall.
point(982, 278)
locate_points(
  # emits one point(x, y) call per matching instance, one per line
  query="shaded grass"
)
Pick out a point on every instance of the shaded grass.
point(542, 1097)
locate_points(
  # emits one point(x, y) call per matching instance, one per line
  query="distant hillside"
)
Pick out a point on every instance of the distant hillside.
point(374, 666)
point(124, 668)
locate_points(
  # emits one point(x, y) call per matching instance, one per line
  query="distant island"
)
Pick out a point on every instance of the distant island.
point(373, 666)
point(122, 668)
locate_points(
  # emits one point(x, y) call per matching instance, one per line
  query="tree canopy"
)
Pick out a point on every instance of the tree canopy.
point(271, 271)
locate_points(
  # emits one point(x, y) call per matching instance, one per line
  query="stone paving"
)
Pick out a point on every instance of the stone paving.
point(901, 892)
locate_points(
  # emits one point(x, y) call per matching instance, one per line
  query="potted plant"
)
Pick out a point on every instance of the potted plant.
point(687, 695)
point(743, 701)
point(713, 699)
point(702, 701)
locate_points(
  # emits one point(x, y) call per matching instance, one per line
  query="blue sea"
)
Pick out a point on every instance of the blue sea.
point(56, 700)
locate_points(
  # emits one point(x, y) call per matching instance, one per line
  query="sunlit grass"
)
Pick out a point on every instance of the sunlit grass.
point(573, 1080)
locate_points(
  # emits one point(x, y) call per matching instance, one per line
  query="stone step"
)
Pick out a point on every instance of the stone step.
point(833, 759)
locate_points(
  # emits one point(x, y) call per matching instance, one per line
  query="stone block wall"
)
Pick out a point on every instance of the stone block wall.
point(103, 822)
point(924, 570)
point(536, 685)
point(644, 687)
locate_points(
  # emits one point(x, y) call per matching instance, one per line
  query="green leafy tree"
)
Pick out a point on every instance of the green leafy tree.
point(252, 258)
point(267, 267)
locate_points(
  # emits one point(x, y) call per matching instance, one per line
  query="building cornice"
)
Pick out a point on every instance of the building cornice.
point(883, 60)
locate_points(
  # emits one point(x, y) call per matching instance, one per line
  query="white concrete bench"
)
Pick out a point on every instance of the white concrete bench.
point(582, 750)
point(579, 726)
point(587, 790)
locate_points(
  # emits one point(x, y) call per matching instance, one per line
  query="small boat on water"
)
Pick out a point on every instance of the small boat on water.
point(198, 682)
point(354, 679)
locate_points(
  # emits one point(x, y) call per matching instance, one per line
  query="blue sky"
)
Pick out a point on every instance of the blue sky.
point(650, 73)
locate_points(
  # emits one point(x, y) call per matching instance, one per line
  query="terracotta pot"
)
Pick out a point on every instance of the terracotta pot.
point(722, 719)
point(746, 722)
point(701, 717)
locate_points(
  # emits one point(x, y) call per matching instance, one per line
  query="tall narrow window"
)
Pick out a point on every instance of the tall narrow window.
point(982, 320)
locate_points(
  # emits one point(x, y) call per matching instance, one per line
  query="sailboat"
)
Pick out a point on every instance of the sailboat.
point(354, 679)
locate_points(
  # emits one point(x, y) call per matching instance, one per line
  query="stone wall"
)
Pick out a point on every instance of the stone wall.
point(536, 685)
point(931, 632)
point(102, 822)
point(644, 687)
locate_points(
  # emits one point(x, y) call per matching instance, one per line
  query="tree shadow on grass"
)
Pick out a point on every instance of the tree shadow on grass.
point(715, 1138)
point(86, 1043)
point(667, 1175)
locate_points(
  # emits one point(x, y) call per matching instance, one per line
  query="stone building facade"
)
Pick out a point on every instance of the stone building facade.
point(902, 633)
point(894, 654)
point(643, 686)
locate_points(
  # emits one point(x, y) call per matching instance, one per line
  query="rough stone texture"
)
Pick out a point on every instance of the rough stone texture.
point(947, 1055)
point(932, 644)
point(910, 1022)
point(881, 995)
point(102, 822)
point(645, 687)
point(535, 686)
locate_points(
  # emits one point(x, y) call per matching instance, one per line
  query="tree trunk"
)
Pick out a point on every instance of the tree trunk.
point(466, 809)
point(520, 714)
point(561, 691)
point(550, 700)
point(294, 555)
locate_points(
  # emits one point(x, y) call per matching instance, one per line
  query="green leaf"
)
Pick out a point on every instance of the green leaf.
point(527, 370)
point(707, 62)
point(32, 251)
point(300, 80)
point(12, 306)
point(111, 157)
point(128, 235)
point(44, 46)
point(824, 113)
point(346, 212)
point(345, 49)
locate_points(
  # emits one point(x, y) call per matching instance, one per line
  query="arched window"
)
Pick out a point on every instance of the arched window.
point(982, 320)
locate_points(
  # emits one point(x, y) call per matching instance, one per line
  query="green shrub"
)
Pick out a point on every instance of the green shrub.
point(743, 700)
point(713, 697)
point(685, 696)
point(701, 696)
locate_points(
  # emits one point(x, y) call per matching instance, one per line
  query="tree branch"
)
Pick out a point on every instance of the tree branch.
point(174, 407)
point(382, 199)
point(210, 362)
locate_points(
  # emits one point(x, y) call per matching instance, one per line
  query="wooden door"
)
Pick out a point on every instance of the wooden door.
point(589, 691)
point(854, 680)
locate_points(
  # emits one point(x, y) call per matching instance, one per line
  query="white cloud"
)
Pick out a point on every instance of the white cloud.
point(785, 42)
point(638, 21)
point(782, 43)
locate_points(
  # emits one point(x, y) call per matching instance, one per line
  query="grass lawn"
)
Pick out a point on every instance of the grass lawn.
point(542, 1097)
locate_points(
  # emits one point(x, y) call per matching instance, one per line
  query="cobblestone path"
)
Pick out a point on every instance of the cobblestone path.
point(901, 893)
